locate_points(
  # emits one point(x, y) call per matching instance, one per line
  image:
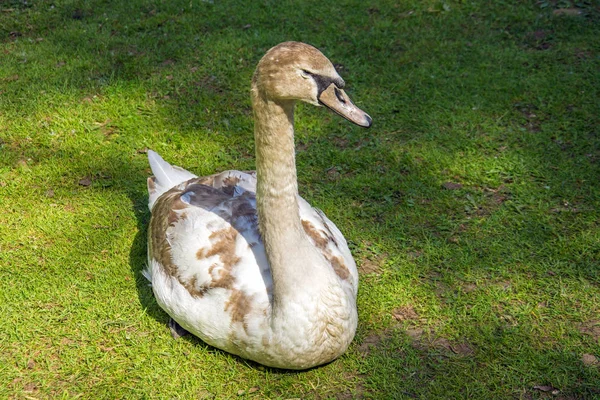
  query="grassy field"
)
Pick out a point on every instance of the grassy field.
point(471, 206)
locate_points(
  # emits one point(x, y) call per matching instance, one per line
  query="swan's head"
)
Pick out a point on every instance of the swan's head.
point(296, 71)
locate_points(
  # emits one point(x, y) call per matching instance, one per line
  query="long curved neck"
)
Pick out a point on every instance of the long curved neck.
point(277, 186)
point(291, 256)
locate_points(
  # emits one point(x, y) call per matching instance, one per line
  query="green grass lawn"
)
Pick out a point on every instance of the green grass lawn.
point(471, 206)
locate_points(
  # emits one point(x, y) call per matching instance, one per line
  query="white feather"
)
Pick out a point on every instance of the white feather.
point(166, 176)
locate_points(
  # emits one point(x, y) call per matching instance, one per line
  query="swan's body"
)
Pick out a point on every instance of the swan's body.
point(240, 259)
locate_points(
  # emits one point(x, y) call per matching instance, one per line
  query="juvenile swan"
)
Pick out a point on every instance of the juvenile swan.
point(239, 259)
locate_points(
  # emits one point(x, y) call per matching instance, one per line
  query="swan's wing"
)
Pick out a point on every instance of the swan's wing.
point(232, 182)
point(177, 226)
point(207, 239)
point(167, 176)
point(328, 238)
point(207, 263)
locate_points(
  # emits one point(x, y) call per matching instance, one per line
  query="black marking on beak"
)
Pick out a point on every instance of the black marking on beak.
point(323, 82)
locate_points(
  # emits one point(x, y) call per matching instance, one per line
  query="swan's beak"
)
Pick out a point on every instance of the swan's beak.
point(337, 100)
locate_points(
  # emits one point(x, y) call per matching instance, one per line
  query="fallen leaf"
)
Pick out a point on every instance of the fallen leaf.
point(415, 333)
point(462, 349)
point(469, 287)
point(30, 364)
point(205, 394)
point(504, 284)
point(441, 343)
point(451, 185)
point(85, 181)
point(404, 313)
point(544, 388)
point(101, 124)
point(253, 389)
point(414, 254)
point(30, 387)
point(333, 173)
point(50, 193)
point(567, 11)
point(590, 360)
point(108, 131)
point(367, 266)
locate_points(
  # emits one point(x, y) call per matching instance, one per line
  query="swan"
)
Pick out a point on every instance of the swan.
point(239, 259)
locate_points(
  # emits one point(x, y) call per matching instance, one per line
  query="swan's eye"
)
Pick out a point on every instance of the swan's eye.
point(305, 74)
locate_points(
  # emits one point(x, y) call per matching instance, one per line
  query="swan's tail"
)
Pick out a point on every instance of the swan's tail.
point(165, 177)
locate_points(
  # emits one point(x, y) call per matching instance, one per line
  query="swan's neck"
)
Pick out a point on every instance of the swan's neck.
point(277, 186)
point(292, 258)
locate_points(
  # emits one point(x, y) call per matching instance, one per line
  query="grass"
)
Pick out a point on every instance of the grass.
point(471, 205)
